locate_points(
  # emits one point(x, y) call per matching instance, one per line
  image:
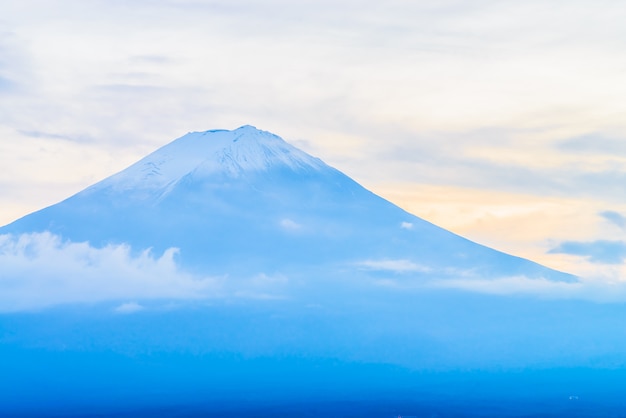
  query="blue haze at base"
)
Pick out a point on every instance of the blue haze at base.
point(442, 353)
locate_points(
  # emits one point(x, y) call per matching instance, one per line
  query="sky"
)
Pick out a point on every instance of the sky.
point(499, 120)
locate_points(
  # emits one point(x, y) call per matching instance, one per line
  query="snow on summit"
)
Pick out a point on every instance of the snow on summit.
point(246, 149)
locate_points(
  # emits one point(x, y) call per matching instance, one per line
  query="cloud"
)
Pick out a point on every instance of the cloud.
point(53, 136)
point(600, 251)
point(406, 225)
point(41, 270)
point(594, 143)
point(128, 308)
point(614, 218)
point(131, 89)
point(263, 287)
point(607, 287)
point(518, 285)
point(6, 85)
point(244, 294)
point(395, 266)
point(290, 225)
point(152, 59)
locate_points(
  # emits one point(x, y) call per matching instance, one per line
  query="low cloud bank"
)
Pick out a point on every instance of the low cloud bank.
point(41, 270)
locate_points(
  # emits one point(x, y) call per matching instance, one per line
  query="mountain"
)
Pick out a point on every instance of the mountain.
point(294, 291)
point(245, 202)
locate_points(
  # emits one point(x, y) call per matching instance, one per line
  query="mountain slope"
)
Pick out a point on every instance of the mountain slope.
point(245, 202)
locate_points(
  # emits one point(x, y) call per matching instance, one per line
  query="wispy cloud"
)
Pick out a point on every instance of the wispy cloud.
point(516, 286)
point(55, 136)
point(615, 218)
point(394, 266)
point(597, 289)
point(128, 308)
point(600, 251)
point(263, 287)
point(290, 224)
point(594, 143)
point(152, 59)
point(131, 89)
point(6, 85)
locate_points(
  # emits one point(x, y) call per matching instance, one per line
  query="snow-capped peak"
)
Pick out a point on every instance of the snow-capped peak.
point(245, 149)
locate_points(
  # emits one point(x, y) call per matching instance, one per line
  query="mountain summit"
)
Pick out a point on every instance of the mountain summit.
point(214, 153)
point(245, 202)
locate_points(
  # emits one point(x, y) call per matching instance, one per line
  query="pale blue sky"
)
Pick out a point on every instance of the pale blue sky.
point(501, 120)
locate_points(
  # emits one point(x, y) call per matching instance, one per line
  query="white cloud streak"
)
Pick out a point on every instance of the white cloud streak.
point(393, 266)
point(599, 290)
point(606, 285)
